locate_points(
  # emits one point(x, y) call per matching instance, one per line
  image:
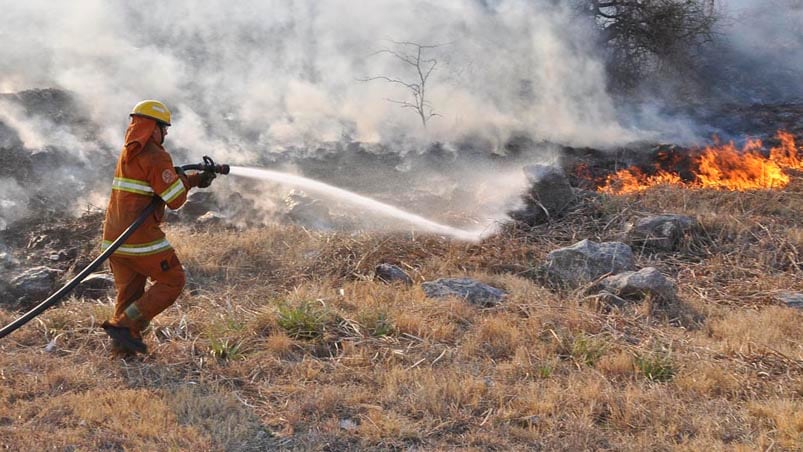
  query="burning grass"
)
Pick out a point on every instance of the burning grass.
point(286, 340)
point(719, 166)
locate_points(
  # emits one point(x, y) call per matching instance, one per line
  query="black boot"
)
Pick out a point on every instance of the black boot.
point(123, 340)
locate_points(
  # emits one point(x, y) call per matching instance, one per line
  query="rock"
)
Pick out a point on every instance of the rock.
point(473, 291)
point(639, 284)
point(605, 298)
point(348, 424)
point(35, 284)
point(198, 203)
point(95, 286)
point(61, 255)
point(549, 195)
point(308, 211)
point(209, 220)
point(586, 261)
point(663, 232)
point(791, 299)
point(390, 273)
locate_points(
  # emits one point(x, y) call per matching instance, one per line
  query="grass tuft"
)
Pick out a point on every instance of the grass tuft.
point(657, 366)
point(377, 323)
point(226, 349)
point(305, 320)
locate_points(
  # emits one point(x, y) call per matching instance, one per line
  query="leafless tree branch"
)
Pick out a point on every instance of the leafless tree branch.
point(423, 68)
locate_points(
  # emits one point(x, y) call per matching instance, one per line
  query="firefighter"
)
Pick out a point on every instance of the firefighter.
point(144, 170)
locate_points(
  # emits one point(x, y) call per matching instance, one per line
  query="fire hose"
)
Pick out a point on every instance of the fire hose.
point(207, 165)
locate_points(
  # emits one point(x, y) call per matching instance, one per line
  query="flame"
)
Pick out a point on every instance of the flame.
point(720, 167)
point(787, 154)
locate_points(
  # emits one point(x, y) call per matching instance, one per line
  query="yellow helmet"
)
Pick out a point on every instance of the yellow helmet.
point(152, 109)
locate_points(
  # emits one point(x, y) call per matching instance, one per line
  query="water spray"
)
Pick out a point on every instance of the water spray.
point(359, 200)
point(209, 165)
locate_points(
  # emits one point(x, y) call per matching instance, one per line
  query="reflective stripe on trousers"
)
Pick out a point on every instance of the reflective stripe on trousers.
point(143, 249)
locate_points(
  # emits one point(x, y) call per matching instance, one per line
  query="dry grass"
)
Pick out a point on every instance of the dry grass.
point(288, 342)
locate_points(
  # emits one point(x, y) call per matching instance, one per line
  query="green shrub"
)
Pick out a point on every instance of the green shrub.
point(226, 349)
point(656, 366)
point(304, 321)
point(587, 350)
point(545, 370)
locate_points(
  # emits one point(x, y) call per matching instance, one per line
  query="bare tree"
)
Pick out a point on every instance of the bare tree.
point(412, 55)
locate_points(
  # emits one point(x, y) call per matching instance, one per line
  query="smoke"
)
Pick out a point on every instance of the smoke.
point(254, 80)
point(13, 202)
point(251, 82)
point(263, 76)
point(759, 52)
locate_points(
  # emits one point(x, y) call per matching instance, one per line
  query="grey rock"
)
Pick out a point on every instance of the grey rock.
point(586, 261)
point(605, 298)
point(35, 284)
point(791, 299)
point(473, 291)
point(348, 424)
point(210, 219)
point(301, 209)
point(639, 284)
point(95, 286)
point(390, 273)
point(663, 232)
point(59, 256)
point(548, 197)
point(197, 204)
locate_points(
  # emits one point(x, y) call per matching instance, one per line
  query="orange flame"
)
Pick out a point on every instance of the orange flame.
point(721, 167)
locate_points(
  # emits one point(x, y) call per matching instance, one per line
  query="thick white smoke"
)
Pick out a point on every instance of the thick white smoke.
point(263, 75)
point(250, 78)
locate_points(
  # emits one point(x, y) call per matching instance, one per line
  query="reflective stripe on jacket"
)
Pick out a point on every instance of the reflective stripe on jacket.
point(144, 170)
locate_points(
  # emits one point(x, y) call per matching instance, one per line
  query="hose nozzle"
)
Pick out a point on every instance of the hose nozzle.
point(208, 165)
point(211, 166)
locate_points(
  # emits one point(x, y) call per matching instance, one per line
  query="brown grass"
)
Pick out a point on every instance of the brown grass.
point(391, 369)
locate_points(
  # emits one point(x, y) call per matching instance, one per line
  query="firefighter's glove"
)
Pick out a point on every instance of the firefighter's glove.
point(205, 179)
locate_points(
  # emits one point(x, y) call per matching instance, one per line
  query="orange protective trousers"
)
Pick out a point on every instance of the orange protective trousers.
point(135, 306)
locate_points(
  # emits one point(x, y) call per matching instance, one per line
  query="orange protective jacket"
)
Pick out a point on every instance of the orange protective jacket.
point(144, 170)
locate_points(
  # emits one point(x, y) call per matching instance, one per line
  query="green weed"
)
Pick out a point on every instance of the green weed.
point(587, 350)
point(656, 366)
point(303, 321)
point(378, 324)
point(226, 349)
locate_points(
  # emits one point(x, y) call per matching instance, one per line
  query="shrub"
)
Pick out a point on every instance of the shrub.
point(226, 349)
point(656, 366)
point(587, 350)
point(303, 321)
